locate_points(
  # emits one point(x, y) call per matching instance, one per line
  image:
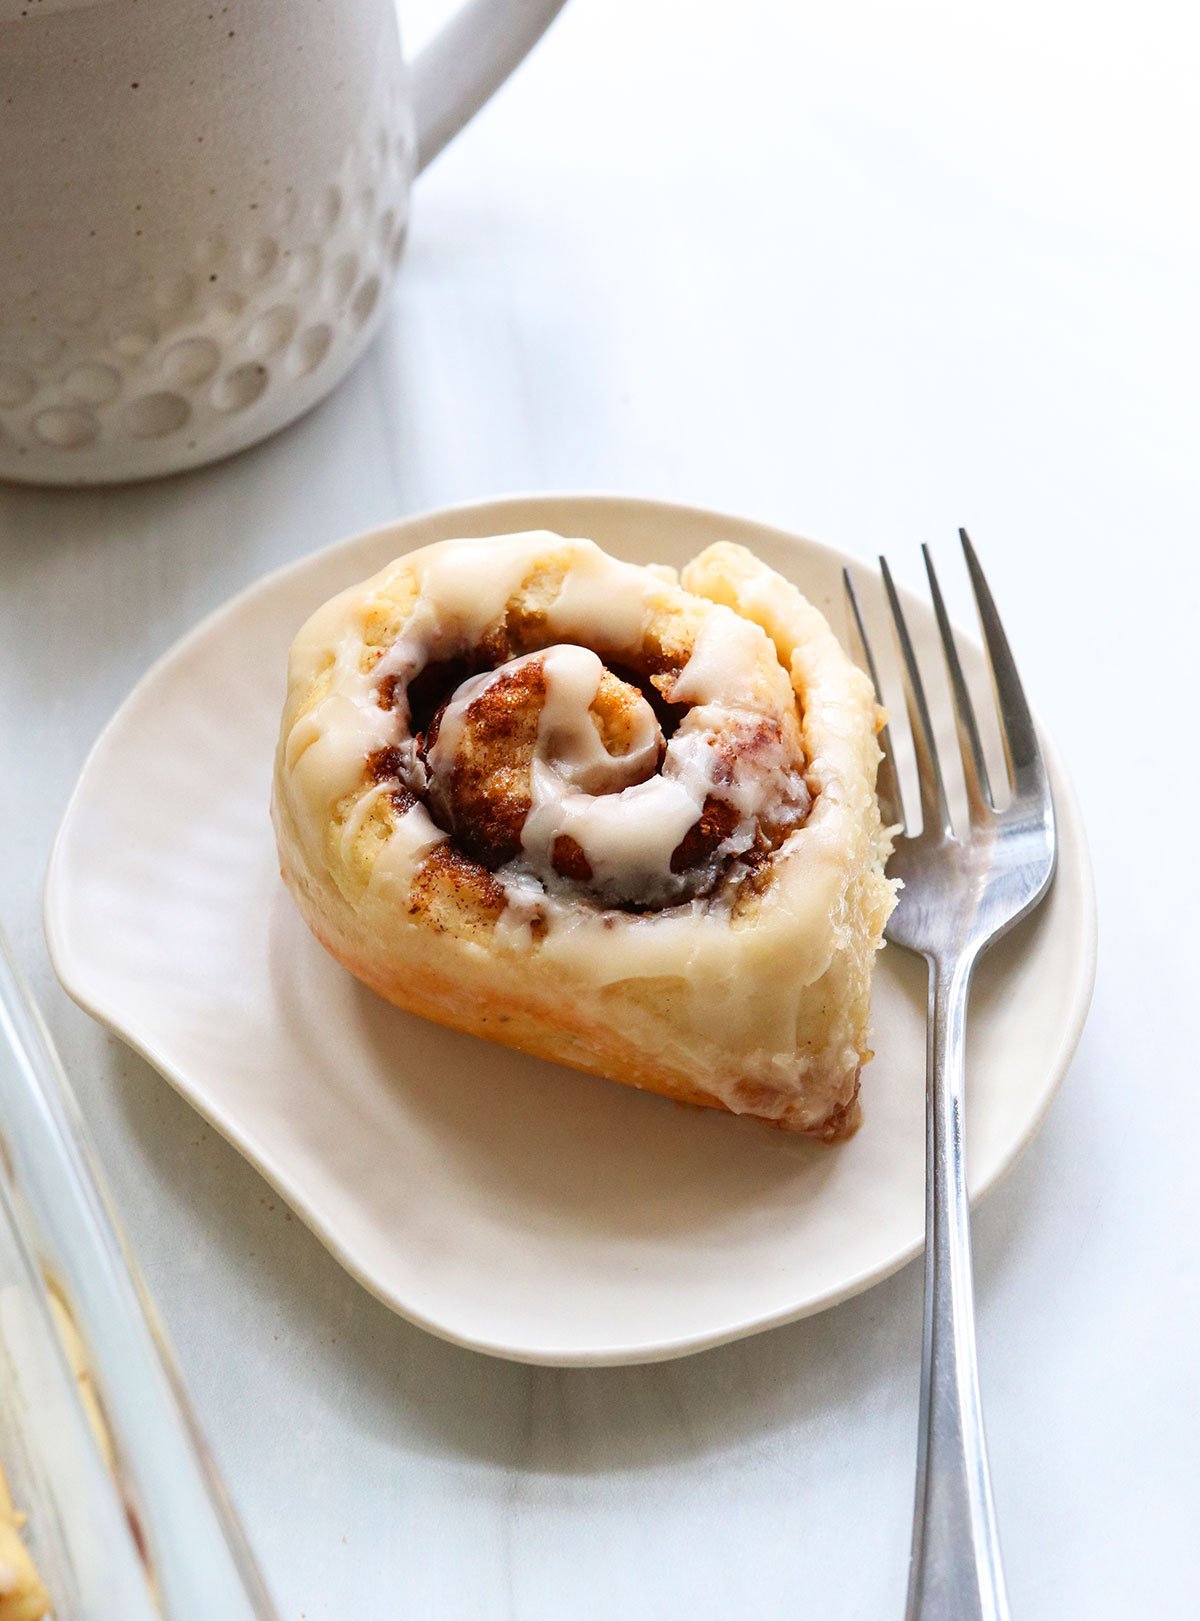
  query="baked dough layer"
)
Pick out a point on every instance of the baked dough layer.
point(613, 817)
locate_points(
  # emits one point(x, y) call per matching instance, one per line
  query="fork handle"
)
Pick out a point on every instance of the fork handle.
point(955, 1573)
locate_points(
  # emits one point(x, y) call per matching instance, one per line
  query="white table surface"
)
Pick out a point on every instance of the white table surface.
point(868, 272)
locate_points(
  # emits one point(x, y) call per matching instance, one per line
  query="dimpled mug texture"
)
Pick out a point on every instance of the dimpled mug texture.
point(205, 207)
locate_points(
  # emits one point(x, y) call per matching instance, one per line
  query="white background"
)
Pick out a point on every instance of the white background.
point(868, 272)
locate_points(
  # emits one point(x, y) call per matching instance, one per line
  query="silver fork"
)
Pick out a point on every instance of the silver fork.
point(961, 892)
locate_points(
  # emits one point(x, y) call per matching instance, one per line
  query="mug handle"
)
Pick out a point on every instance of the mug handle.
point(468, 61)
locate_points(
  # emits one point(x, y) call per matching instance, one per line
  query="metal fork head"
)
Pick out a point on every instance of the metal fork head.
point(962, 890)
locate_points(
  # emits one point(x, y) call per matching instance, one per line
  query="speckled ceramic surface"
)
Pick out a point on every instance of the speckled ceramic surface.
point(503, 1202)
point(204, 207)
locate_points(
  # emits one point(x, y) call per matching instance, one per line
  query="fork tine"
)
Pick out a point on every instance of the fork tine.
point(1021, 750)
point(887, 784)
point(975, 771)
point(935, 813)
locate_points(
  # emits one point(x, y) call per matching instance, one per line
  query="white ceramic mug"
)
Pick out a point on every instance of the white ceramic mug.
point(202, 207)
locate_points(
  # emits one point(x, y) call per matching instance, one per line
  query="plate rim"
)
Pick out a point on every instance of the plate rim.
point(247, 1145)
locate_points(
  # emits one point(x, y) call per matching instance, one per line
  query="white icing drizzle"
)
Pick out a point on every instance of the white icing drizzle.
point(443, 753)
point(466, 586)
point(726, 667)
point(569, 740)
point(627, 820)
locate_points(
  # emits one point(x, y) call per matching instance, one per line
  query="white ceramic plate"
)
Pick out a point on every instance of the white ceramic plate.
point(497, 1200)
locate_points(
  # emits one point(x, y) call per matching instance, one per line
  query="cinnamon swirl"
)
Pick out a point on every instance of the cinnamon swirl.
point(612, 817)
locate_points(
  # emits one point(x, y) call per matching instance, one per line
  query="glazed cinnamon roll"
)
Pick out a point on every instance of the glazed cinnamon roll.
point(612, 817)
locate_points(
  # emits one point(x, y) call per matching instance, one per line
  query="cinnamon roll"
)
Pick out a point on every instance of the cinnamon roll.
point(614, 817)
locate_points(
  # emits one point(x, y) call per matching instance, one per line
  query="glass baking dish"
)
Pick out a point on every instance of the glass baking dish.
point(125, 1516)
